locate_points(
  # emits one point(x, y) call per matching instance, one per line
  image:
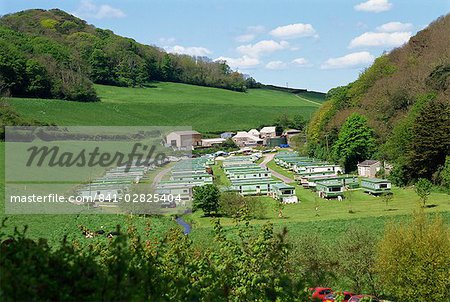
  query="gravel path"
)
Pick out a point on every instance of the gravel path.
point(267, 158)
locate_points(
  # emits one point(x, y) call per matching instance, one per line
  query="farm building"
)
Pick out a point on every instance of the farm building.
point(253, 132)
point(276, 141)
point(289, 133)
point(284, 193)
point(268, 132)
point(330, 188)
point(183, 139)
point(369, 168)
point(376, 186)
point(209, 142)
point(243, 139)
point(226, 135)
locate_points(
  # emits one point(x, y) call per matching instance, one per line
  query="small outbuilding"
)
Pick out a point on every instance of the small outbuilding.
point(226, 135)
point(210, 142)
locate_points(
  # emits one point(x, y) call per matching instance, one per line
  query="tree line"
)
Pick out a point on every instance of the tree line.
point(52, 54)
point(397, 111)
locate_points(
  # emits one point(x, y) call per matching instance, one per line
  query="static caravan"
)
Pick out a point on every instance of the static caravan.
point(322, 167)
point(311, 167)
point(205, 177)
point(349, 181)
point(304, 178)
point(176, 188)
point(254, 186)
point(185, 193)
point(184, 172)
point(255, 174)
point(284, 193)
point(102, 192)
point(375, 186)
point(330, 188)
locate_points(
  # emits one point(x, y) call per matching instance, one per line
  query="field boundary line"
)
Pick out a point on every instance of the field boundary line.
point(302, 98)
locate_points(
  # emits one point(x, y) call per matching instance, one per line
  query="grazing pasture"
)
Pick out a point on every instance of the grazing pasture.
point(208, 110)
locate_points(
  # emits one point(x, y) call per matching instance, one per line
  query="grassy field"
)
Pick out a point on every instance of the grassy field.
point(172, 104)
point(331, 218)
point(358, 206)
point(220, 179)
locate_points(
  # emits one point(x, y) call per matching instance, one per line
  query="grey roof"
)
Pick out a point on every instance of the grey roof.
point(368, 162)
point(185, 132)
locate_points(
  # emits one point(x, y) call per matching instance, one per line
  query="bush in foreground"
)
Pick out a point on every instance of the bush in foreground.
point(413, 260)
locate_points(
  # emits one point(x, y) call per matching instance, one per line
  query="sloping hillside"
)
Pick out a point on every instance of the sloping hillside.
point(52, 54)
point(405, 96)
point(209, 110)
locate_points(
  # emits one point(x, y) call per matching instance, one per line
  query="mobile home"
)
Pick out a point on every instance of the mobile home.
point(330, 188)
point(375, 186)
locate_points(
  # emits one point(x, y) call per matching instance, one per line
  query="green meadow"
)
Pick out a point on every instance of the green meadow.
point(208, 110)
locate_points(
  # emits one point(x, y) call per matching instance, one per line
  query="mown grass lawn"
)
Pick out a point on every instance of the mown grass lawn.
point(331, 217)
point(272, 165)
point(220, 179)
point(208, 110)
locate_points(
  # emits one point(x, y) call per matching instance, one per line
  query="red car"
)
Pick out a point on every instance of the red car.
point(331, 297)
point(318, 293)
point(358, 298)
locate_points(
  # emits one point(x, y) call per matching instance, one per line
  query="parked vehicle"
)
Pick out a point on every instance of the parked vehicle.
point(332, 297)
point(358, 298)
point(318, 293)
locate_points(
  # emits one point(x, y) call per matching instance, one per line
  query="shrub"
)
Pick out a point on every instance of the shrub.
point(413, 260)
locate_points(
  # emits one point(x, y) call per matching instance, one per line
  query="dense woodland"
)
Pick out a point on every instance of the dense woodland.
point(398, 111)
point(52, 54)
